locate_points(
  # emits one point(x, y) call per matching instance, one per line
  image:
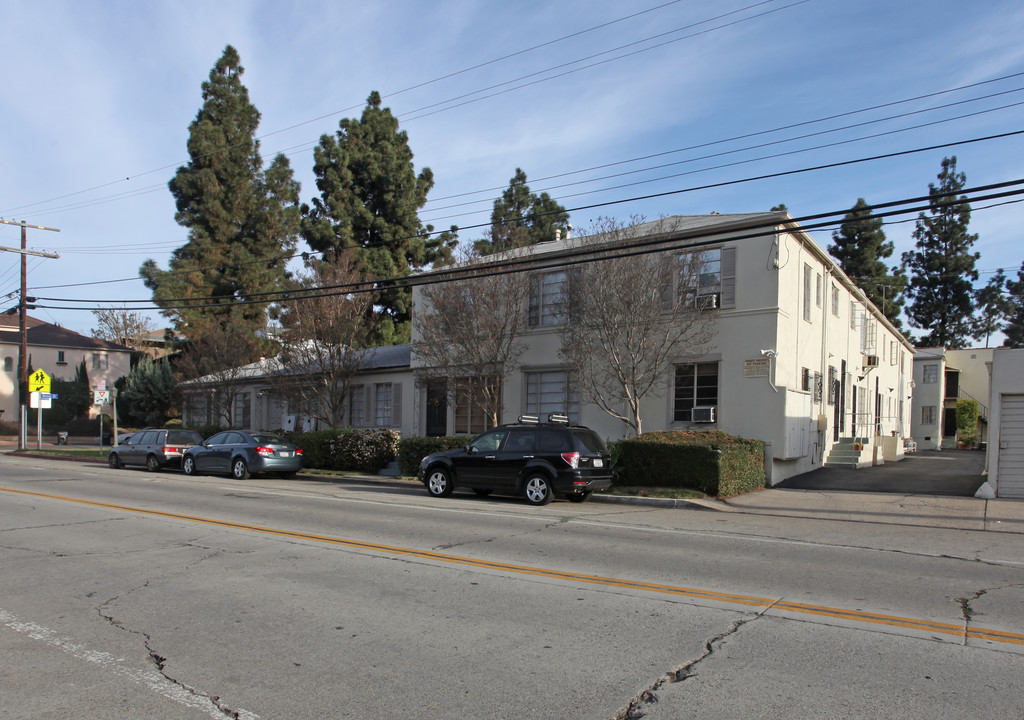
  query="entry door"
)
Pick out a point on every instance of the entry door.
point(1011, 447)
point(437, 409)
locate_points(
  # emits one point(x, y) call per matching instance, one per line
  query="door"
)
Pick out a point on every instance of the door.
point(437, 408)
point(1010, 474)
point(478, 465)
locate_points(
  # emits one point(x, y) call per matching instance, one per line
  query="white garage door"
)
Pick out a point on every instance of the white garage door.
point(1011, 447)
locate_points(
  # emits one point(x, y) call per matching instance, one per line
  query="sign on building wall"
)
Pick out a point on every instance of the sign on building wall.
point(759, 367)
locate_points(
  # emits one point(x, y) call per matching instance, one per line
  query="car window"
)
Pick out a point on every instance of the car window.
point(521, 441)
point(218, 439)
point(551, 441)
point(269, 438)
point(134, 439)
point(148, 438)
point(183, 437)
point(588, 440)
point(235, 439)
point(489, 441)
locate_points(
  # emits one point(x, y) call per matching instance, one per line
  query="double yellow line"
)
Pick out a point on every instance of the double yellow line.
point(951, 629)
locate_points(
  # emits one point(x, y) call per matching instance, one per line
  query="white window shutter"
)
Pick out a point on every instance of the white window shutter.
point(396, 404)
point(728, 299)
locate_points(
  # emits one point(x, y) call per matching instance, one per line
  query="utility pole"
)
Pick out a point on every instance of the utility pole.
point(22, 307)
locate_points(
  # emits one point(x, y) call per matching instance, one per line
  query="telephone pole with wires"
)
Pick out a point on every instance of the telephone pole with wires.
point(22, 308)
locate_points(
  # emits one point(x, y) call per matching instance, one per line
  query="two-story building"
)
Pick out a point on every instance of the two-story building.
point(59, 352)
point(941, 378)
point(801, 358)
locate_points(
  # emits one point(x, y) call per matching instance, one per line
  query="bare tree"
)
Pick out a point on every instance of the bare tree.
point(123, 326)
point(322, 337)
point(468, 331)
point(216, 365)
point(630, 318)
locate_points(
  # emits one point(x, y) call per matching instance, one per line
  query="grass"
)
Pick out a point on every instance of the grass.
point(94, 453)
point(657, 492)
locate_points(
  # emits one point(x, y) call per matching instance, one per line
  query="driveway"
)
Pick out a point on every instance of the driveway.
point(929, 472)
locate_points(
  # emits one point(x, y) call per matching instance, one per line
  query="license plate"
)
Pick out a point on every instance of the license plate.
point(283, 453)
point(598, 462)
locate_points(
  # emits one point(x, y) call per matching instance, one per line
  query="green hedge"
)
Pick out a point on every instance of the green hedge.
point(367, 450)
point(712, 462)
point(411, 450)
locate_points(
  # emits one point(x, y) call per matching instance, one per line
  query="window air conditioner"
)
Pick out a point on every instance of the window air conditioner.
point(870, 361)
point(704, 414)
point(707, 302)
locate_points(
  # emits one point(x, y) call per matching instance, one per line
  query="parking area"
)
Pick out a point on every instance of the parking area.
point(929, 472)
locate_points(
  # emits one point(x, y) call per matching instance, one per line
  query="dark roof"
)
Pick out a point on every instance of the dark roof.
point(43, 334)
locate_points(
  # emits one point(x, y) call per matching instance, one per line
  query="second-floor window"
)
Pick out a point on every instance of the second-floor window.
point(60, 358)
point(548, 299)
point(99, 361)
point(931, 374)
point(700, 278)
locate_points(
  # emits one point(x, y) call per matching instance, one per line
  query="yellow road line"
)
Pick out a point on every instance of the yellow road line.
point(952, 629)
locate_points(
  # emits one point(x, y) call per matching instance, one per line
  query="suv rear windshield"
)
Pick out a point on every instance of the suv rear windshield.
point(588, 440)
point(183, 437)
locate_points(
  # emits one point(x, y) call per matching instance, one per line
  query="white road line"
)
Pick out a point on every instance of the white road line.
point(117, 666)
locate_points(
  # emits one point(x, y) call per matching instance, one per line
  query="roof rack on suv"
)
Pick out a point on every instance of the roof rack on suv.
point(559, 418)
point(530, 419)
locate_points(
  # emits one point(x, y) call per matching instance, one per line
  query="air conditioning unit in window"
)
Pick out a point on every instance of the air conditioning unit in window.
point(707, 302)
point(870, 361)
point(703, 414)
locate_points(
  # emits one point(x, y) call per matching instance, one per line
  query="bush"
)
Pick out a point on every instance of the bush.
point(412, 450)
point(347, 449)
point(966, 420)
point(711, 462)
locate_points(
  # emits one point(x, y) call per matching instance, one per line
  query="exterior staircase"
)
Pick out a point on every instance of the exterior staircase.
point(844, 455)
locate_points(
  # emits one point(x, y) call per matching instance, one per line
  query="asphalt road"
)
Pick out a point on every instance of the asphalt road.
point(128, 594)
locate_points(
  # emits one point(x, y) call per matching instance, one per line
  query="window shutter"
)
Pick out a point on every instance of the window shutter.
point(370, 408)
point(396, 404)
point(533, 317)
point(668, 275)
point(728, 299)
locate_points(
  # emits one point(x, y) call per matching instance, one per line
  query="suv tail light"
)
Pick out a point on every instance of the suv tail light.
point(264, 451)
point(573, 458)
point(171, 449)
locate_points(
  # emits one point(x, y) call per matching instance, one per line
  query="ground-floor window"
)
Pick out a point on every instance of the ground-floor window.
point(552, 392)
point(928, 415)
point(243, 410)
point(471, 416)
point(357, 406)
point(384, 406)
point(696, 385)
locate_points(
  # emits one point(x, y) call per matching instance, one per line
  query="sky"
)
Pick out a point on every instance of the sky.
point(603, 105)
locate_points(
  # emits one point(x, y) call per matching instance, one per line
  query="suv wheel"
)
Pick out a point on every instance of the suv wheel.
point(114, 461)
point(439, 484)
point(152, 464)
point(537, 490)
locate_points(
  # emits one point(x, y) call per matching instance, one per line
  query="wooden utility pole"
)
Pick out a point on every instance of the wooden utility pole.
point(22, 308)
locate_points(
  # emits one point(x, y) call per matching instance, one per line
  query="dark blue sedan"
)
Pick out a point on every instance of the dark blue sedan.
point(241, 454)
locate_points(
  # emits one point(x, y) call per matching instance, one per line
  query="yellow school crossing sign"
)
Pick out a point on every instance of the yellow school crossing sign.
point(39, 382)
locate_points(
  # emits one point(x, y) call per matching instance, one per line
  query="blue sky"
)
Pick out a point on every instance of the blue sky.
point(97, 98)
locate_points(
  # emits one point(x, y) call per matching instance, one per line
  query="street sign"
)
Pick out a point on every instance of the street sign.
point(39, 382)
point(101, 397)
point(39, 400)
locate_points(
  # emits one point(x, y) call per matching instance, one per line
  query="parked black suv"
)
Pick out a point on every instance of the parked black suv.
point(529, 458)
point(154, 448)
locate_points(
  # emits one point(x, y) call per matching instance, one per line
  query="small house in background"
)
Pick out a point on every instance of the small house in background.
point(942, 377)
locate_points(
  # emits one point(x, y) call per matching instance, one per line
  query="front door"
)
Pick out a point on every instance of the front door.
point(437, 408)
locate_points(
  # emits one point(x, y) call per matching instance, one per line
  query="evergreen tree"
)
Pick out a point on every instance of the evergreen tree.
point(994, 308)
point(942, 268)
point(242, 220)
point(370, 197)
point(148, 394)
point(860, 247)
point(521, 218)
point(1014, 329)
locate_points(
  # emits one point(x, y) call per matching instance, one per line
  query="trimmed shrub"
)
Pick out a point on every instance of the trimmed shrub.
point(366, 450)
point(412, 450)
point(712, 462)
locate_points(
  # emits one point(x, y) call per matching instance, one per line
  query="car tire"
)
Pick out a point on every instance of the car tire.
point(114, 461)
point(537, 489)
point(439, 483)
point(239, 469)
point(188, 465)
point(482, 492)
point(152, 464)
point(578, 497)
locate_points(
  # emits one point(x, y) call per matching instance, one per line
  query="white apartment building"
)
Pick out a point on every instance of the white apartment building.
point(801, 359)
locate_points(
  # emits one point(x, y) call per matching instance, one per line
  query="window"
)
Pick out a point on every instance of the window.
point(931, 374)
point(928, 415)
point(805, 380)
point(99, 361)
point(547, 299)
point(470, 415)
point(696, 385)
point(807, 292)
point(818, 290)
point(552, 392)
point(700, 278)
point(833, 385)
point(853, 315)
point(835, 300)
point(243, 406)
point(60, 358)
point(357, 406)
point(384, 407)
point(8, 364)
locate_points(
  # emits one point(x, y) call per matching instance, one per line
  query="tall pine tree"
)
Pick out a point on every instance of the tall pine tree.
point(860, 247)
point(521, 218)
point(994, 308)
point(942, 267)
point(370, 197)
point(242, 220)
point(1014, 329)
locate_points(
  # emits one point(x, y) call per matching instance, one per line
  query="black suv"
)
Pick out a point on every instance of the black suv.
point(529, 458)
point(154, 448)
